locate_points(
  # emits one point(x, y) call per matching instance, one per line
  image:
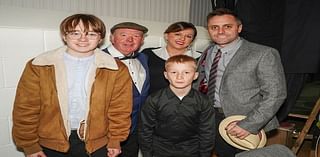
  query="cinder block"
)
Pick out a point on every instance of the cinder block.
point(24, 43)
point(7, 99)
point(5, 132)
point(10, 151)
point(52, 40)
point(151, 41)
point(1, 73)
point(13, 68)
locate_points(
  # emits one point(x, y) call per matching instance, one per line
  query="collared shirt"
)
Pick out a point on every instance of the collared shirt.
point(77, 76)
point(227, 53)
point(177, 127)
point(163, 53)
point(156, 61)
point(137, 72)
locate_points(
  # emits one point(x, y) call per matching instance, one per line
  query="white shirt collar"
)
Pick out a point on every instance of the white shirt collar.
point(163, 53)
point(114, 52)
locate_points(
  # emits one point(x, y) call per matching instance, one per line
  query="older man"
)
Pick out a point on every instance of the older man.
point(126, 39)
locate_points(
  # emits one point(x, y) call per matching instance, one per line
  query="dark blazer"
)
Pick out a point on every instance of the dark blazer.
point(138, 98)
point(156, 67)
point(253, 84)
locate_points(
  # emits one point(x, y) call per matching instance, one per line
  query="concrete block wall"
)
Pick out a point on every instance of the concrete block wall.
point(25, 33)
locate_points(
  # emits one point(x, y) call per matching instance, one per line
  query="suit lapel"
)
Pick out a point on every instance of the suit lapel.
point(241, 54)
point(144, 63)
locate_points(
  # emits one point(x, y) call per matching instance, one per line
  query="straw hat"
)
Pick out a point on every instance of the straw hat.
point(250, 142)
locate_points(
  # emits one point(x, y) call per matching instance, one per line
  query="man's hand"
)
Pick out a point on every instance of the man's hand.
point(38, 154)
point(112, 152)
point(234, 130)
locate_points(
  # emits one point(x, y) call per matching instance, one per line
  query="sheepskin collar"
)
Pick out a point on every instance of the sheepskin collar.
point(102, 59)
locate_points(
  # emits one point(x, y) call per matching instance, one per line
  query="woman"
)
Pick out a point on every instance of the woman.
point(179, 37)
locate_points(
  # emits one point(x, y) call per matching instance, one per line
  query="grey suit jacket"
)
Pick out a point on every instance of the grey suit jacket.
point(253, 84)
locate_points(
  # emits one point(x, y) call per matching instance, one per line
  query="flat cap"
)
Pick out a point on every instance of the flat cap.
point(129, 25)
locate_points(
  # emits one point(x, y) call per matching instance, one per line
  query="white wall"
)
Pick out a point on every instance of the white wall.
point(151, 10)
point(24, 33)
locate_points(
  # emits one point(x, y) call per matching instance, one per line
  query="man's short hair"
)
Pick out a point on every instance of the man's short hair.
point(223, 11)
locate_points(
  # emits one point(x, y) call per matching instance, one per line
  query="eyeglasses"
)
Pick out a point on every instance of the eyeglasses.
point(75, 35)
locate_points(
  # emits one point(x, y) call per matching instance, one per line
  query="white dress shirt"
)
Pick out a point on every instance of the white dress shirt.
point(136, 70)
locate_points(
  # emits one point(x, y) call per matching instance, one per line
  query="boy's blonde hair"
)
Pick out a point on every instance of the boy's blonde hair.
point(181, 59)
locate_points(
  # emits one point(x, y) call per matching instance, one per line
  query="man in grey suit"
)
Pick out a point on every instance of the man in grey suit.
point(249, 80)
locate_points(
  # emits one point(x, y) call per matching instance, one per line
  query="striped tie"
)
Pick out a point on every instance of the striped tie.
point(213, 75)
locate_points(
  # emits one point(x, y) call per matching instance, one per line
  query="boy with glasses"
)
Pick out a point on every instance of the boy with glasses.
point(73, 101)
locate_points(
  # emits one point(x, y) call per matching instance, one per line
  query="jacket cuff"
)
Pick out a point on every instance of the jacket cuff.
point(252, 130)
point(32, 149)
point(114, 143)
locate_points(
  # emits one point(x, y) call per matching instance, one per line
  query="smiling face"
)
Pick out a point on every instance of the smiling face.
point(181, 75)
point(127, 40)
point(223, 29)
point(84, 45)
point(179, 41)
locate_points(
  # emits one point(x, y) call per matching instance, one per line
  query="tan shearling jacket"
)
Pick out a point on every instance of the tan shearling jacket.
point(40, 114)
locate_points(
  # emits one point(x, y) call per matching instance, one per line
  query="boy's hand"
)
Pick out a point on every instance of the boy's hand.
point(112, 152)
point(234, 130)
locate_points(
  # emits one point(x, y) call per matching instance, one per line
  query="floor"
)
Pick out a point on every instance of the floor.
point(305, 150)
point(305, 103)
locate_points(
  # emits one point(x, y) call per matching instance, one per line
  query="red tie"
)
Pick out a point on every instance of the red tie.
point(213, 75)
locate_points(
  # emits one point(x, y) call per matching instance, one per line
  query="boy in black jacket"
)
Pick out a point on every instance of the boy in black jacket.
point(178, 120)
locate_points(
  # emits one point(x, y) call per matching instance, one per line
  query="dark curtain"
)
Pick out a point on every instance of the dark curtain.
point(230, 4)
point(293, 28)
point(262, 21)
point(300, 52)
point(301, 44)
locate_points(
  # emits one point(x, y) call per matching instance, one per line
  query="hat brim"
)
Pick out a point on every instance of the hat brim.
point(226, 137)
point(129, 25)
